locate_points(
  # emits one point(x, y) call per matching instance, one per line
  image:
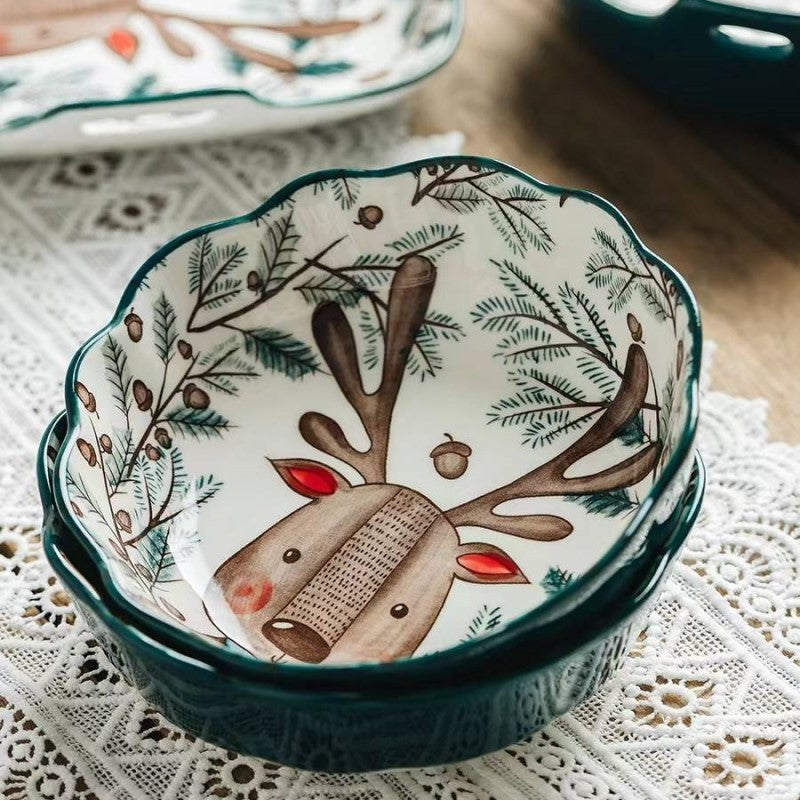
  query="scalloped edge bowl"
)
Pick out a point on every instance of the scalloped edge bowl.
point(656, 504)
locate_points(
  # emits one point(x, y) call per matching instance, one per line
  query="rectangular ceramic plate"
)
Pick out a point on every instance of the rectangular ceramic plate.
point(94, 74)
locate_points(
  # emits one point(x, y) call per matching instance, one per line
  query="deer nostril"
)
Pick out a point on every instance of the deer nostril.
point(297, 640)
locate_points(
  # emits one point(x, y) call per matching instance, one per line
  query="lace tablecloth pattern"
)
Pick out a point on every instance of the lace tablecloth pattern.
point(707, 705)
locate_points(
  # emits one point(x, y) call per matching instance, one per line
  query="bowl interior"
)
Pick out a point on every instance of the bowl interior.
point(389, 413)
point(284, 53)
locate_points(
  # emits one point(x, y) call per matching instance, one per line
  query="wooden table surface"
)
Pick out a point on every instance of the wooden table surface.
point(719, 204)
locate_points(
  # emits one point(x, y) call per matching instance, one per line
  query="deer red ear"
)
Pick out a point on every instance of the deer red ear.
point(485, 563)
point(123, 43)
point(310, 478)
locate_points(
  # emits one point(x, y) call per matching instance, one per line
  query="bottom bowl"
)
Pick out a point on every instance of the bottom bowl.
point(355, 731)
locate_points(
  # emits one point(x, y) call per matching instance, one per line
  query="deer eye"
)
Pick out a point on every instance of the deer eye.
point(399, 611)
point(291, 555)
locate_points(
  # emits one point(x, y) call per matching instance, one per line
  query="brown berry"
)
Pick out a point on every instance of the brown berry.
point(123, 519)
point(117, 547)
point(133, 322)
point(369, 216)
point(87, 451)
point(86, 397)
point(153, 453)
point(142, 395)
point(431, 169)
point(162, 437)
point(253, 281)
point(451, 458)
point(170, 609)
point(195, 397)
point(473, 168)
point(634, 326)
point(75, 509)
point(185, 349)
point(105, 443)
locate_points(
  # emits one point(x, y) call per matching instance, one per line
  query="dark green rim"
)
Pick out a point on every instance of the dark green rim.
point(600, 627)
point(459, 654)
point(453, 38)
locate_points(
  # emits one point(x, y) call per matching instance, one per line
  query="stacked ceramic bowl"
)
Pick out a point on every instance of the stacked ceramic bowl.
point(385, 473)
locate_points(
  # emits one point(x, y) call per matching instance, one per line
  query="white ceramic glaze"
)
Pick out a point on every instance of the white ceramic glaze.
point(526, 328)
point(92, 74)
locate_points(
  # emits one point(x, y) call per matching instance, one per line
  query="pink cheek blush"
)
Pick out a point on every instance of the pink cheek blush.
point(247, 596)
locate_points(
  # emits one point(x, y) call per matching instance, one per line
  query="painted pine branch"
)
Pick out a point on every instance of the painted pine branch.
point(608, 504)
point(165, 330)
point(486, 620)
point(116, 368)
point(280, 351)
point(555, 579)
point(197, 423)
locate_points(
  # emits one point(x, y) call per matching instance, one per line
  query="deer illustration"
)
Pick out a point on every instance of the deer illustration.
point(36, 25)
point(362, 571)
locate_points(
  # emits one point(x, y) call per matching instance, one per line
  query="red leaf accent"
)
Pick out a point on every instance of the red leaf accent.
point(308, 477)
point(123, 43)
point(488, 564)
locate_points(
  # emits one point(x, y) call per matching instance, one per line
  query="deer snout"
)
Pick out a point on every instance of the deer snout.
point(297, 640)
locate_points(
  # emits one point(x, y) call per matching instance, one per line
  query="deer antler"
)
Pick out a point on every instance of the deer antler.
point(409, 296)
point(550, 479)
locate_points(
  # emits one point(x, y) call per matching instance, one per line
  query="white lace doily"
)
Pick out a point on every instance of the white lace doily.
point(707, 705)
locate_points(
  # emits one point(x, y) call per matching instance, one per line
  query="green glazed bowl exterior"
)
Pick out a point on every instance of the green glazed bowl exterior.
point(481, 653)
point(684, 56)
point(535, 648)
point(325, 729)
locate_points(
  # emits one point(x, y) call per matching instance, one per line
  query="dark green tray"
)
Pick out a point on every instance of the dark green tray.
point(682, 55)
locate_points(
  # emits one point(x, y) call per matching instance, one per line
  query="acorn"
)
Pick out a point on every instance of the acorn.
point(195, 397)
point(86, 397)
point(635, 327)
point(87, 451)
point(75, 509)
point(450, 459)
point(105, 443)
point(253, 281)
point(123, 519)
point(679, 359)
point(185, 349)
point(153, 453)
point(133, 322)
point(162, 437)
point(142, 395)
point(369, 216)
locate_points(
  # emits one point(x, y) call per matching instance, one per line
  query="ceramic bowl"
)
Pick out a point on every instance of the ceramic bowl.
point(327, 729)
point(387, 418)
point(124, 73)
point(739, 58)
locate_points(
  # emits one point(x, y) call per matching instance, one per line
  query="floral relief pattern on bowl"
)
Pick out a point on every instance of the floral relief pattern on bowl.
point(384, 414)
